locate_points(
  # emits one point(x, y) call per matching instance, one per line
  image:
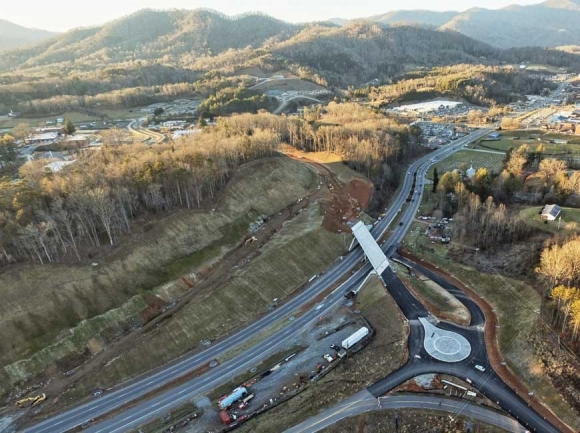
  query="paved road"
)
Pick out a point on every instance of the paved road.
point(136, 127)
point(420, 362)
point(284, 102)
point(140, 413)
point(364, 402)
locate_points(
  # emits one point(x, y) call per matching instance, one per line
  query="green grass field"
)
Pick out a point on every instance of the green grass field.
point(74, 116)
point(533, 139)
point(569, 224)
point(491, 161)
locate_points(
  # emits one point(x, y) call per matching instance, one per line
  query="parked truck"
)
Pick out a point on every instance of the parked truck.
point(355, 338)
point(226, 418)
point(227, 400)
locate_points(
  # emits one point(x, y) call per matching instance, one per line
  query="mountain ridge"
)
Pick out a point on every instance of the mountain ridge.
point(549, 24)
point(13, 35)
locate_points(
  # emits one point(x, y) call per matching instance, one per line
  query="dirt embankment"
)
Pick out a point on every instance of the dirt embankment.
point(207, 280)
point(492, 345)
point(348, 193)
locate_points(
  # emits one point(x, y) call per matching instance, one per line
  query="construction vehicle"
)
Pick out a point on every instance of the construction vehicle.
point(31, 401)
point(251, 240)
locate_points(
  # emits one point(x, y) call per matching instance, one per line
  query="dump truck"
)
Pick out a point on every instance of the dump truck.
point(355, 338)
point(227, 400)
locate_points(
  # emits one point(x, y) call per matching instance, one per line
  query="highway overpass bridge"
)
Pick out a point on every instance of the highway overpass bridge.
point(370, 247)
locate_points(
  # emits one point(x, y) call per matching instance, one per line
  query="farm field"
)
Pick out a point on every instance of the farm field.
point(74, 116)
point(491, 161)
point(533, 139)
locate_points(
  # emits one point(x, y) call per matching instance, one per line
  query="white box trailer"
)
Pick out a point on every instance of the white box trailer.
point(355, 338)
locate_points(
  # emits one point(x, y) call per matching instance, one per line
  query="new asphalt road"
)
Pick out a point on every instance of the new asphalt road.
point(364, 402)
point(420, 362)
point(141, 412)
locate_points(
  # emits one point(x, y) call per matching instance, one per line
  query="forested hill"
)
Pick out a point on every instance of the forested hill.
point(364, 50)
point(150, 34)
point(128, 60)
point(13, 35)
point(548, 24)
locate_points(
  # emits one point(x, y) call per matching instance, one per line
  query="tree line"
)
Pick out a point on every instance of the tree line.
point(559, 269)
point(47, 217)
point(479, 84)
point(53, 216)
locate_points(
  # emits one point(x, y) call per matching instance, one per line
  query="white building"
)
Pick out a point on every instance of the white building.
point(471, 172)
point(185, 132)
point(551, 212)
point(45, 138)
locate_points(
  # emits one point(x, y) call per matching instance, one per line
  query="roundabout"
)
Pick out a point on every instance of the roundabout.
point(445, 346)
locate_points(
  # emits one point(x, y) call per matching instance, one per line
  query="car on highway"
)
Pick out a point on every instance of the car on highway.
point(480, 368)
point(401, 223)
point(328, 357)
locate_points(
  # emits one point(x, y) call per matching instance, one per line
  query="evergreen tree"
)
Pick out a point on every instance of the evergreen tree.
point(435, 179)
point(69, 128)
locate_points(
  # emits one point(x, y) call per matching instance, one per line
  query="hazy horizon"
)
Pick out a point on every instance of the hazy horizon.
point(63, 15)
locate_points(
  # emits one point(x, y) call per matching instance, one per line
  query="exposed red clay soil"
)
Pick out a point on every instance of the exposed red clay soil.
point(361, 191)
point(342, 203)
point(492, 345)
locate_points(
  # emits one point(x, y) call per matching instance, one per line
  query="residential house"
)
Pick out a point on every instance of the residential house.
point(551, 212)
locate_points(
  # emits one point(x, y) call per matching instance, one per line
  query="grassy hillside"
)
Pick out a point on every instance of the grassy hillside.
point(300, 249)
point(41, 303)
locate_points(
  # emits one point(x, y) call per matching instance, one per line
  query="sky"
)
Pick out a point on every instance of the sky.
point(62, 15)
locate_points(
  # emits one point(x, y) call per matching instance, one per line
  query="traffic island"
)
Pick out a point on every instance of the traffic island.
point(444, 346)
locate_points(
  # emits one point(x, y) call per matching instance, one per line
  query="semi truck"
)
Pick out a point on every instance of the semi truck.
point(355, 338)
point(227, 400)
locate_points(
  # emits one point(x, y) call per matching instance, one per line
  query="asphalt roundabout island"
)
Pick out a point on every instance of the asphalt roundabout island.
point(445, 346)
